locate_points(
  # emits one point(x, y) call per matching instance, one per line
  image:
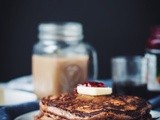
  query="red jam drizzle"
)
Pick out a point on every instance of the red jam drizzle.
point(93, 84)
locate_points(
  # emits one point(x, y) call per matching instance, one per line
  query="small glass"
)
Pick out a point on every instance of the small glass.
point(129, 75)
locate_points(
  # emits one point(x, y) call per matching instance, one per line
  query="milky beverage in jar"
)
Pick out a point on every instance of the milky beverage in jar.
point(57, 75)
point(60, 59)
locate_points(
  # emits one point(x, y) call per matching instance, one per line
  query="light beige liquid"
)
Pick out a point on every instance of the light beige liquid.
point(54, 75)
point(2, 97)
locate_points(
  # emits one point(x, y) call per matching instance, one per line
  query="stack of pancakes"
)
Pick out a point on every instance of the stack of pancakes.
point(74, 106)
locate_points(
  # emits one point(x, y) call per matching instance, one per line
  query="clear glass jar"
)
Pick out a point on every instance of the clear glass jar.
point(61, 59)
point(153, 57)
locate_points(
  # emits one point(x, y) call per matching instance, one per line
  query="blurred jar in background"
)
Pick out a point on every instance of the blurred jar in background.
point(61, 59)
point(153, 60)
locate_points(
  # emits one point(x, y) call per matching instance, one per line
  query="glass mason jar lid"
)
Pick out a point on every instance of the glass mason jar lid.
point(68, 31)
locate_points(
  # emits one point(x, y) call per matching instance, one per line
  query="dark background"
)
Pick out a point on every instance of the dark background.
point(113, 27)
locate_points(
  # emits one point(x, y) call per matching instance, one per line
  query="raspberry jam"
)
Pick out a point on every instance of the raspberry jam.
point(93, 84)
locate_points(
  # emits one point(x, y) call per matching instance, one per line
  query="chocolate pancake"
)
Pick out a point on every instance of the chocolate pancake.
point(73, 106)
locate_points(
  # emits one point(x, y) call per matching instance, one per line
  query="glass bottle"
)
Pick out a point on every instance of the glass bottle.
point(61, 59)
point(153, 61)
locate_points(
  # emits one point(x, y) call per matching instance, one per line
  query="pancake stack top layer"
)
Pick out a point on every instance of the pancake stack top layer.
point(74, 106)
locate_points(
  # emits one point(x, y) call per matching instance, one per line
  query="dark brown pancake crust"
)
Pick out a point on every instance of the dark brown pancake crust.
point(97, 107)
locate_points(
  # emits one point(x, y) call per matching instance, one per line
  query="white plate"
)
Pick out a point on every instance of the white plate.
point(22, 83)
point(27, 116)
point(13, 97)
point(30, 115)
point(155, 114)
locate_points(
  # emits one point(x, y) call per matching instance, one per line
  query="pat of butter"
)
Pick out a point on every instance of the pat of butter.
point(94, 91)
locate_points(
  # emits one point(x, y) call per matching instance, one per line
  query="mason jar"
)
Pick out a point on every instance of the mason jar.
point(152, 55)
point(61, 59)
